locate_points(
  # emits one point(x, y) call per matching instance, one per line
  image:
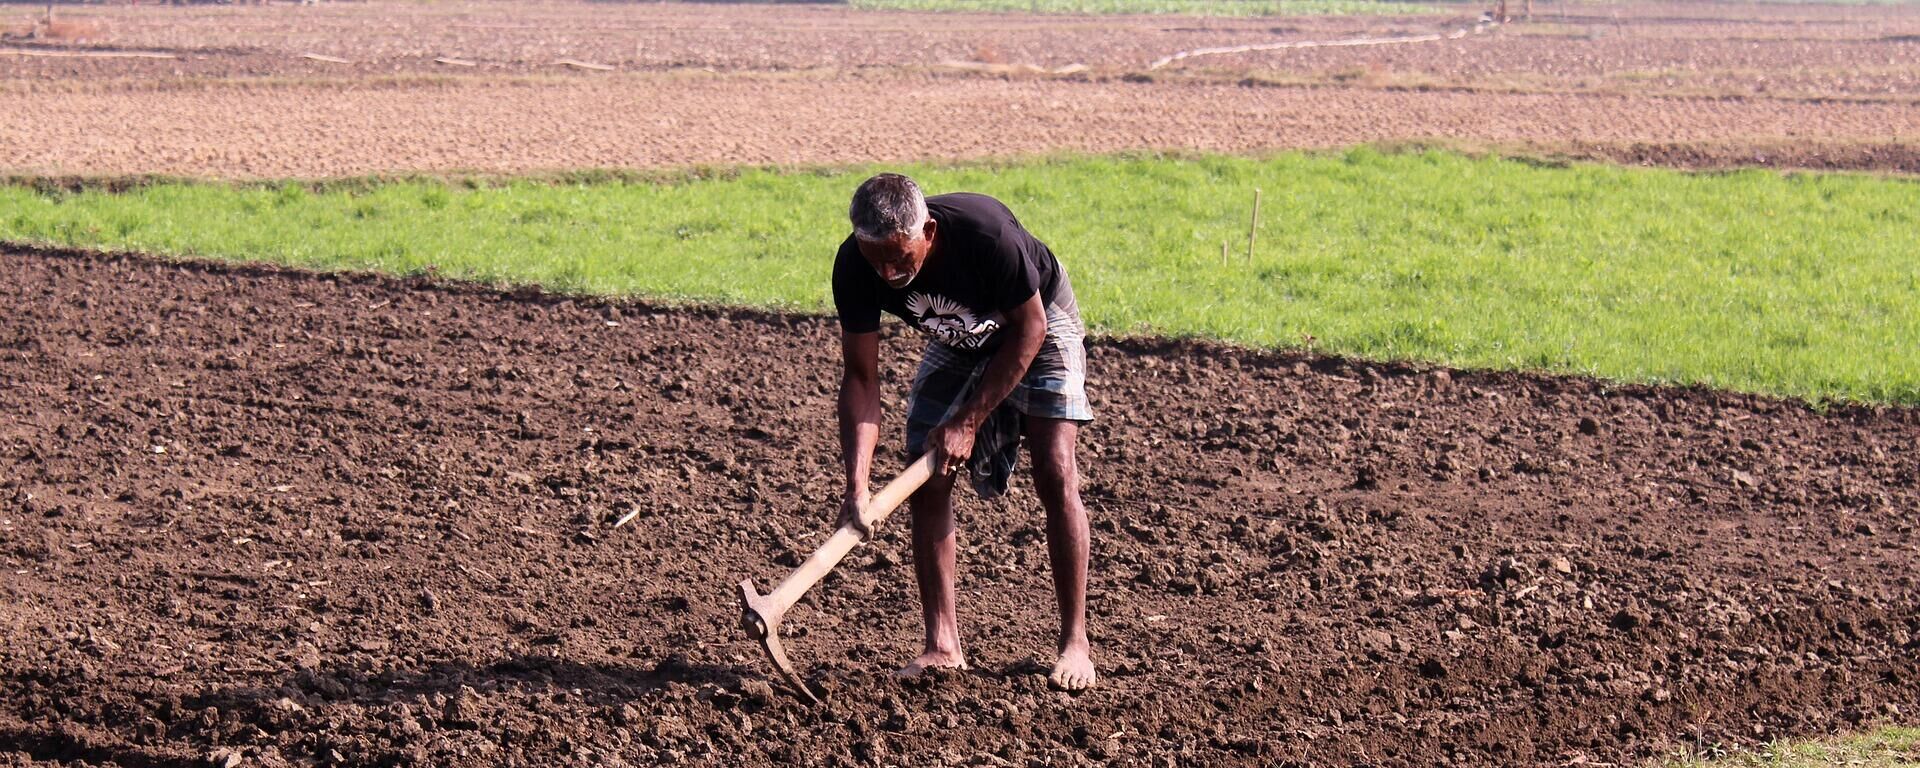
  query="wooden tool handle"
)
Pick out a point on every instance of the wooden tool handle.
point(879, 506)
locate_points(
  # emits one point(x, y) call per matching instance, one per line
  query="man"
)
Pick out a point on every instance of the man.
point(1004, 358)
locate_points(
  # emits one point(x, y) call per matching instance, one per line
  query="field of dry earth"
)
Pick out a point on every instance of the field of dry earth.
point(1677, 84)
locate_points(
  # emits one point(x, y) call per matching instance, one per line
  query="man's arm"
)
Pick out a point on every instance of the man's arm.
point(1026, 329)
point(859, 416)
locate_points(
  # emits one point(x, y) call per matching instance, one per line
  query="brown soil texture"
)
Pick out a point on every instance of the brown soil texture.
point(1895, 157)
point(669, 121)
point(346, 520)
point(727, 84)
point(1763, 48)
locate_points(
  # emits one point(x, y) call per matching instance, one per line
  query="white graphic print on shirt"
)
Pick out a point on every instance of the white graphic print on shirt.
point(950, 321)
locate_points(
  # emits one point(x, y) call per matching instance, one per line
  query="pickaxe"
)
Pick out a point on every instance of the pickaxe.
point(760, 615)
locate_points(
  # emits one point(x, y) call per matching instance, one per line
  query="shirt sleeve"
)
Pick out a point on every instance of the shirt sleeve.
point(854, 297)
point(1016, 279)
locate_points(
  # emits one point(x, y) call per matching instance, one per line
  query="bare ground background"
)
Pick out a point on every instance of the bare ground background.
point(1680, 84)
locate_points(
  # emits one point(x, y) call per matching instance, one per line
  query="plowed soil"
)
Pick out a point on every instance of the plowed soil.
point(343, 520)
point(1713, 85)
point(656, 121)
point(1749, 48)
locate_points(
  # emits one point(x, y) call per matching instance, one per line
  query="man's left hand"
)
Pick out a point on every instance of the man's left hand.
point(952, 443)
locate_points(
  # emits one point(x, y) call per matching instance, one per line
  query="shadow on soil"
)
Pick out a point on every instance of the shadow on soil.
point(443, 692)
point(589, 684)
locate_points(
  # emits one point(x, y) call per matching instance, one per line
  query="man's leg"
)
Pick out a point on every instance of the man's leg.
point(1057, 479)
point(933, 568)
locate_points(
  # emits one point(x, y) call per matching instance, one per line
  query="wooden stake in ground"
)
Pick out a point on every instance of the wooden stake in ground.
point(1223, 253)
point(1254, 226)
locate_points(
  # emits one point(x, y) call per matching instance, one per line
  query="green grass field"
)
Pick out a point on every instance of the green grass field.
point(1803, 285)
point(1183, 7)
point(1890, 747)
point(1838, 2)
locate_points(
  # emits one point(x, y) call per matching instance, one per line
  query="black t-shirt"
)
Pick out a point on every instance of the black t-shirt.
point(983, 265)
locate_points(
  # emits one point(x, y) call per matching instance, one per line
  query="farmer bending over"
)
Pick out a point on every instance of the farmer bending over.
point(1004, 358)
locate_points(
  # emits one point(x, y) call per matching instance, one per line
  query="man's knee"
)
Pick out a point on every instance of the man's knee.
point(1054, 470)
point(1055, 474)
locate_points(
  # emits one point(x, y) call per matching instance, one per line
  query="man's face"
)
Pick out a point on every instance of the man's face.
point(899, 259)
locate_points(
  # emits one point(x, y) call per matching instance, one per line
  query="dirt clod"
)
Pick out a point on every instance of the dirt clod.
point(1627, 619)
point(462, 710)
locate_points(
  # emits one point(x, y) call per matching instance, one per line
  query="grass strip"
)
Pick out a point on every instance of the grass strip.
point(1888, 747)
point(1179, 7)
point(1802, 285)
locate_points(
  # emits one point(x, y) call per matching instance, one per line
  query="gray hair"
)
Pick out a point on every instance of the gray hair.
point(886, 206)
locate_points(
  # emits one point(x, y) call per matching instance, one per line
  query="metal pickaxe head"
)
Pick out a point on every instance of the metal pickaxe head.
point(760, 617)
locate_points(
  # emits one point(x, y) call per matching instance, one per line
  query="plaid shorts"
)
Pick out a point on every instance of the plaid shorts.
point(1054, 387)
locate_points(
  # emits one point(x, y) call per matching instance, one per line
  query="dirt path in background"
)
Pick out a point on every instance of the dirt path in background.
point(1687, 85)
point(658, 121)
point(1742, 49)
point(347, 520)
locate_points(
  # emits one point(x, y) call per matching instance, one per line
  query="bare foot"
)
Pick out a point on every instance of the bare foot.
point(1074, 670)
point(932, 659)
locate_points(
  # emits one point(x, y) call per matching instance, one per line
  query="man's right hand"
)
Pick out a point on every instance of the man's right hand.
point(859, 411)
point(850, 514)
